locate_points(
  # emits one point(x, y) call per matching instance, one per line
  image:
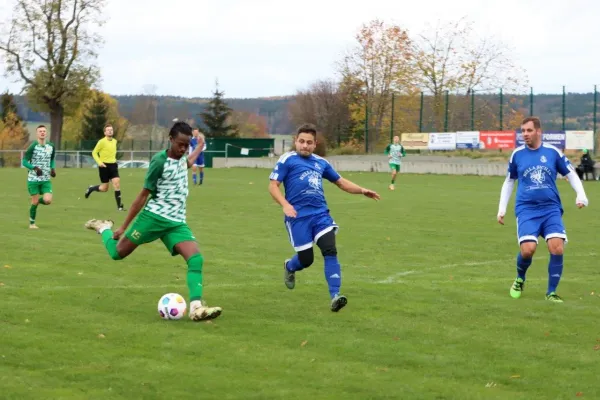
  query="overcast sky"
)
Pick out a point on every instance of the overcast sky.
point(271, 48)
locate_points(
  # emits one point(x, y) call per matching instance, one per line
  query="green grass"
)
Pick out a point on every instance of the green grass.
point(427, 272)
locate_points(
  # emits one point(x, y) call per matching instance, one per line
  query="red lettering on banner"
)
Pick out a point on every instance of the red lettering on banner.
point(497, 139)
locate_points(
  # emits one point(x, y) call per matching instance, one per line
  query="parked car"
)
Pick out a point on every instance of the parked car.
point(134, 164)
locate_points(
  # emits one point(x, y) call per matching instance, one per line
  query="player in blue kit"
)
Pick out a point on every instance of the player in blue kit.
point(538, 207)
point(198, 140)
point(307, 219)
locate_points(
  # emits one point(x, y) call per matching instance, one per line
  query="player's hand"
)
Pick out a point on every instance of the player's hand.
point(581, 203)
point(102, 165)
point(371, 194)
point(53, 173)
point(38, 171)
point(289, 210)
point(117, 234)
point(501, 219)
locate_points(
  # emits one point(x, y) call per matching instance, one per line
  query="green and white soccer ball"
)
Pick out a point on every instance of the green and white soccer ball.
point(172, 306)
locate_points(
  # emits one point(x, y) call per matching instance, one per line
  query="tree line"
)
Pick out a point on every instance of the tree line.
point(52, 45)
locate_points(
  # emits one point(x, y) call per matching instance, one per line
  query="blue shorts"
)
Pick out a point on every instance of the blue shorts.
point(200, 160)
point(305, 231)
point(549, 225)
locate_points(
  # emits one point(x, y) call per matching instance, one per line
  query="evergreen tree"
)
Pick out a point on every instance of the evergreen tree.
point(217, 117)
point(8, 106)
point(94, 119)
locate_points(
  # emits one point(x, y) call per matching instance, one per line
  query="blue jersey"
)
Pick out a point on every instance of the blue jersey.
point(536, 172)
point(302, 179)
point(194, 144)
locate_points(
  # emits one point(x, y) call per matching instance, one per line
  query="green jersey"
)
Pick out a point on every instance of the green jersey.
point(167, 180)
point(41, 156)
point(396, 151)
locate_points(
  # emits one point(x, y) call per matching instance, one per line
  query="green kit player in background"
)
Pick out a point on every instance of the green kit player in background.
point(162, 215)
point(395, 151)
point(39, 160)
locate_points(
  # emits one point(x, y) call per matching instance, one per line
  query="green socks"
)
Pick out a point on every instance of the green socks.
point(194, 276)
point(110, 244)
point(42, 202)
point(32, 212)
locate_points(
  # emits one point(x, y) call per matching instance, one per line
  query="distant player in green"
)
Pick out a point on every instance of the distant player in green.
point(161, 214)
point(39, 160)
point(395, 151)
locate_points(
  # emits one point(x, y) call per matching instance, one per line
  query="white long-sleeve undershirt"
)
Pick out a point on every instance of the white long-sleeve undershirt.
point(505, 193)
point(577, 185)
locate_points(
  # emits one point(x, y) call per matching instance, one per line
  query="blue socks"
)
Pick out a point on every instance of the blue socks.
point(294, 264)
point(194, 176)
point(333, 272)
point(522, 265)
point(333, 275)
point(555, 269)
point(201, 177)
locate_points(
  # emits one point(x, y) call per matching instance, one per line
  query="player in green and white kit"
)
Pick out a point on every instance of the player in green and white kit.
point(39, 160)
point(162, 203)
point(395, 151)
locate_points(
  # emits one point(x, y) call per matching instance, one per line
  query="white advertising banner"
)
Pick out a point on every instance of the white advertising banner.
point(578, 140)
point(442, 141)
point(467, 140)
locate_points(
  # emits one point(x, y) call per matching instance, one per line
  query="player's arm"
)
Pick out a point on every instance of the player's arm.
point(27, 158)
point(136, 207)
point(276, 194)
point(53, 162)
point(96, 153)
point(402, 151)
point(27, 161)
point(507, 188)
point(566, 169)
point(387, 150)
point(505, 193)
point(194, 155)
point(353, 188)
point(277, 176)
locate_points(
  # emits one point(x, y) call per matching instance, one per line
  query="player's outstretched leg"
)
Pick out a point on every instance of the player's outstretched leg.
point(555, 268)
point(103, 227)
point(333, 270)
point(303, 259)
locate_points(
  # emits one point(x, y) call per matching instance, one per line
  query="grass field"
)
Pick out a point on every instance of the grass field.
point(426, 270)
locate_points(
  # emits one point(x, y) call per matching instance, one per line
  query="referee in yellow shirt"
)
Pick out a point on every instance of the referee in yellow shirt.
point(105, 154)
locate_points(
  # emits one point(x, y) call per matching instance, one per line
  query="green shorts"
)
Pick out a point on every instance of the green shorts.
point(39, 187)
point(148, 227)
point(394, 166)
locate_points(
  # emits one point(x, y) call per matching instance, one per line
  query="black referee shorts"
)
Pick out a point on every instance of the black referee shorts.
point(108, 173)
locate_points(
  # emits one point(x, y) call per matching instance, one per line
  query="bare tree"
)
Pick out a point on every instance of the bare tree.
point(383, 62)
point(323, 104)
point(48, 45)
point(451, 58)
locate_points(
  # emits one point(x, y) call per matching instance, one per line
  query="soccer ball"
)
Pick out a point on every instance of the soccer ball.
point(172, 306)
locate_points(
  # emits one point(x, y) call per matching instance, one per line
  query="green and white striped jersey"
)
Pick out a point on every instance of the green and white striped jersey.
point(39, 156)
point(396, 151)
point(167, 179)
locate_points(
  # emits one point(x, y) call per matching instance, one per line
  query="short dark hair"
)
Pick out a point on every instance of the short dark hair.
point(537, 124)
point(180, 127)
point(40, 126)
point(307, 128)
point(107, 126)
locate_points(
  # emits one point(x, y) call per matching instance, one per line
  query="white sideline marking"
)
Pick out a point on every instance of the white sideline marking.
point(392, 278)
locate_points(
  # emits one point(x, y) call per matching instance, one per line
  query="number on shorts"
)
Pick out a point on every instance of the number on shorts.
point(136, 235)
